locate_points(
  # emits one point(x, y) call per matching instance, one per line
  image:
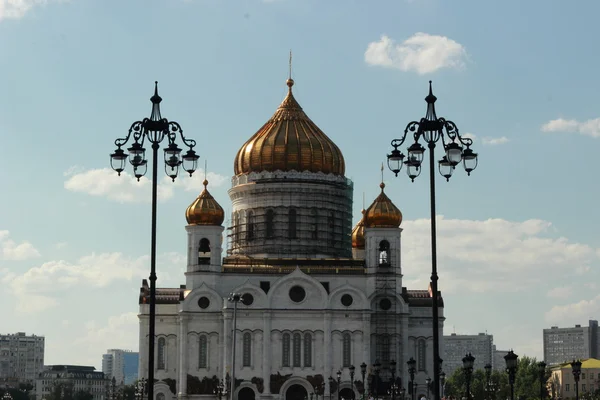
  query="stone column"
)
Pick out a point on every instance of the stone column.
point(226, 344)
point(367, 338)
point(327, 351)
point(405, 350)
point(266, 348)
point(183, 352)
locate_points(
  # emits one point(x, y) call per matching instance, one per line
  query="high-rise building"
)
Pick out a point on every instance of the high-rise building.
point(566, 344)
point(498, 361)
point(318, 295)
point(68, 380)
point(121, 364)
point(21, 357)
point(457, 346)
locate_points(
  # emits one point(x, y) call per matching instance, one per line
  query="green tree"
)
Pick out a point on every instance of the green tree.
point(129, 392)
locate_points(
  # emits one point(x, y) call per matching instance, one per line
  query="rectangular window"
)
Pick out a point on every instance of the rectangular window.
point(583, 375)
point(567, 387)
point(583, 387)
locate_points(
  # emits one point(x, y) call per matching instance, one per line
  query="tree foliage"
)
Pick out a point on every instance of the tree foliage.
point(527, 382)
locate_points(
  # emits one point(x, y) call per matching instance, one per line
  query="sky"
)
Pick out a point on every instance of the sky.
point(518, 243)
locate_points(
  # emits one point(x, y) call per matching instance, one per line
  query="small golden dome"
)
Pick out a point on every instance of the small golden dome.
point(289, 141)
point(205, 210)
point(358, 233)
point(382, 213)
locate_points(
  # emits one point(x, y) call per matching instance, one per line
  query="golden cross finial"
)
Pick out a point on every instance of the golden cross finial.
point(363, 201)
point(290, 77)
point(381, 172)
point(205, 162)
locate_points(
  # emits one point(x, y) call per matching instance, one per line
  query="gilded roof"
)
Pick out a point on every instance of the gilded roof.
point(358, 233)
point(289, 141)
point(382, 213)
point(205, 210)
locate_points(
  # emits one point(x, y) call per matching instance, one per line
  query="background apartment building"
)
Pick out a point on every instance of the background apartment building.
point(498, 361)
point(121, 364)
point(21, 358)
point(566, 344)
point(71, 379)
point(457, 346)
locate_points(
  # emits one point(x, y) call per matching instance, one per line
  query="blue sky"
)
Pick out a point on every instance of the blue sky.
point(518, 240)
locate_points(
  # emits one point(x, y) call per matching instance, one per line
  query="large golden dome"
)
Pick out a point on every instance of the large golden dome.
point(205, 210)
point(358, 233)
point(289, 141)
point(382, 213)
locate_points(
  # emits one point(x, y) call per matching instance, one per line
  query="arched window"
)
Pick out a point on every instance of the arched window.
point(250, 226)
point(204, 251)
point(384, 252)
point(346, 350)
point(315, 223)
point(307, 350)
point(270, 223)
point(246, 347)
point(421, 355)
point(285, 351)
point(162, 356)
point(297, 350)
point(292, 224)
point(202, 352)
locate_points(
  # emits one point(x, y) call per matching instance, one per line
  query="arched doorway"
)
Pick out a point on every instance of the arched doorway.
point(245, 394)
point(347, 394)
point(296, 392)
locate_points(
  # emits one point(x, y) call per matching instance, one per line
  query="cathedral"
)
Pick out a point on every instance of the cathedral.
point(321, 311)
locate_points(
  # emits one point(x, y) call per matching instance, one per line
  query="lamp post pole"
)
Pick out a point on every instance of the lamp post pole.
point(339, 382)
point(352, 370)
point(442, 383)
point(412, 363)
point(542, 370)
point(154, 129)
point(488, 380)
point(576, 367)
point(363, 372)
point(468, 362)
point(235, 298)
point(457, 149)
point(512, 361)
point(428, 382)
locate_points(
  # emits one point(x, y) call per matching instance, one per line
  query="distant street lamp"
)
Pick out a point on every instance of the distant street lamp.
point(7, 396)
point(352, 369)
point(339, 382)
point(457, 149)
point(377, 369)
point(154, 129)
point(330, 387)
point(363, 372)
point(488, 380)
point(576, 367)
point(468, 362)
point(512, 362)
point(428, 382)
point(412, 363)
point(235, 298)
point(219, 390)
point(442, 383)
point(542, 371)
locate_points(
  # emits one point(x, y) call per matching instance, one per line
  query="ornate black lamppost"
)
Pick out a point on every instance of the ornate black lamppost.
point(412, 363)
point(393, 391)
point(235, 298)
point(363, 372)
point(154, 130)
point(457, 148)
point(220, 390)
point(442, 383)
point(542, 371)
point(330, 387)
point(352, 369)
point(468, 362)
point(576, 367)
point(339, 382)
point(488, 380)
point(512, 361)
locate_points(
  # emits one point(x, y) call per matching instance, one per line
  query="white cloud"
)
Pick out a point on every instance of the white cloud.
point(469, 136)
point(105, 182)
point(35, 294)
point(560, 292)
point(119, 331)
point(494, 255)
point(574, 313)
point(591, 127)
point(421, 53)
point(10, 250)
point(494, 141)
point(18, 8)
